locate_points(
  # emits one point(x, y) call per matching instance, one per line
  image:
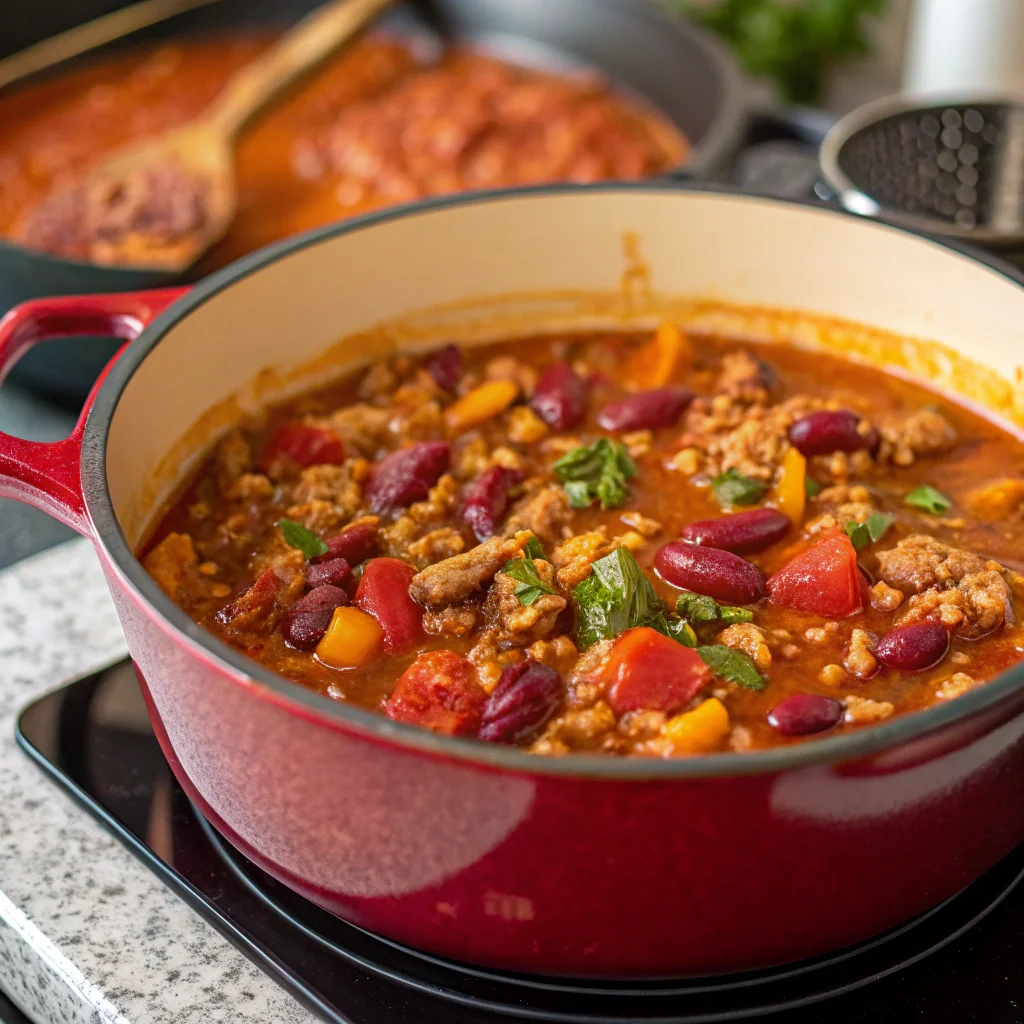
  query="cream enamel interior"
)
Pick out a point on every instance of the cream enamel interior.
point(516, 263)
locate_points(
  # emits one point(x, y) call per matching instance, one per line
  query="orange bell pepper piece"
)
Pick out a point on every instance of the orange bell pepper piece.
point(791, 493)
point(351, 638)
point(481, 404)
point(653, 365)
point(701, 730)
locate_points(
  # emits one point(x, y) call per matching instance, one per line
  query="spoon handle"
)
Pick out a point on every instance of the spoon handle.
point(301, 49)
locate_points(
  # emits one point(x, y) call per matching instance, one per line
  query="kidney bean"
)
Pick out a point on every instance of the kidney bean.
point(646, 409)
point(561, 396)
point(742, 533)
point(805, 713)
point(486, 500)
point(307, 620)
point(445, 366)
point(355, 544)
point(407, 475)
point(711, 571)
point(383, 592)
point(919, 645)
point(526, 696)
point(831, 430)
point(334, 571)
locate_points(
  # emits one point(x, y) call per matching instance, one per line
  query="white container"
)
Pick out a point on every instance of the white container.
point(958, 46)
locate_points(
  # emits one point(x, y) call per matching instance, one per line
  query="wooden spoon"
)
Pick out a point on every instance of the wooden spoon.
point(161, 203)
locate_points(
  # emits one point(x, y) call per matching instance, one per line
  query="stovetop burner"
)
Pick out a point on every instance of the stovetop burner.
point(94, 738)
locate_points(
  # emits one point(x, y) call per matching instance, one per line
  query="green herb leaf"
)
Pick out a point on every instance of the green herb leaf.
point(811, 487)
point(677, 629)
point(297, 536)
point(697, 608)
point(732, 615)
point(858, 534)
point(596, 472)
point(878, 525)
point(731, 665)
point(533, 548)
point(531, 586)
point(733, 488)
point(617, 595)
point(929, 499)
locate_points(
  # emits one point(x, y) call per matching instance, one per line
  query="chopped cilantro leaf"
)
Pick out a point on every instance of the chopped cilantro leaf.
point(297, 536)
point(596, 472)
point(731, 665)
point(617, 595)
point(733, 488)
point(530, 585)
point(929, 499)
point(811, 487)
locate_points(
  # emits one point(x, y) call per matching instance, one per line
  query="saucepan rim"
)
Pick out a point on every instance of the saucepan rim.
point(108, 534)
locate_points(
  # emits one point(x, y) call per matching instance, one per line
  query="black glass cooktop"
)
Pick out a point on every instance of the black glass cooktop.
point(962, 962)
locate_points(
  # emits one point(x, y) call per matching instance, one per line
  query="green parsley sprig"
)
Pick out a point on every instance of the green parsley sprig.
point(596, 472)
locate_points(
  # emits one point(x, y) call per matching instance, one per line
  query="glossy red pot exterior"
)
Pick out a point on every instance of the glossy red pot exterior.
point(573, 866)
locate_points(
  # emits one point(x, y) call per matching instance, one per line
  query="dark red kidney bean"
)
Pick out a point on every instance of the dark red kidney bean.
point(742, 533)
point(720, 574)
point(486, 500)
point(646, 410)
point(355, 544)
point(335, 571)
point(805, 713)
point(831, 430)
point(307, 620)
point(560, 399)
point(445, 366)
point(526, 696)
point(919, 645)
point(406, 476)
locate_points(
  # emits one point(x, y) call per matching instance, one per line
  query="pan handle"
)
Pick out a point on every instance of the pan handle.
point(47, 474)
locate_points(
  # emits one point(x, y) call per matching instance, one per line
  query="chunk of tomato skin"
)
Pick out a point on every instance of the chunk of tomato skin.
point(383, 592)
point(648, 671)
point(303, 444)
point(824, 579)
point(438, 691)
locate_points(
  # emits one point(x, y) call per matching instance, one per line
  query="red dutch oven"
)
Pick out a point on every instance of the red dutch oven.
point(578, 865)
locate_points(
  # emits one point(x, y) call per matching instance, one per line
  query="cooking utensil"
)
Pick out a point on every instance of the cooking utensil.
point(687, 75)
point(575, 865)
point(953, 167)
point(202, 151)
point(82, 38)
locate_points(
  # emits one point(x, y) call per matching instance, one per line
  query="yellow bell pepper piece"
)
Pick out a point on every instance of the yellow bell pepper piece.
point(701, 730)
point(653, 365)
point(791, 493)
point(482, 403)
point(351, 638)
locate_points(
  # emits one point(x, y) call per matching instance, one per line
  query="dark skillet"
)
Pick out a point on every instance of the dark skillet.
point(683, 73)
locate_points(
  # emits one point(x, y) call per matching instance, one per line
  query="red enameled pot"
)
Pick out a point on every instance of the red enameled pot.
point(577, 865)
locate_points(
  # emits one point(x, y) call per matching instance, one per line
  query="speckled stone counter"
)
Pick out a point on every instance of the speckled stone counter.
point(87, 933)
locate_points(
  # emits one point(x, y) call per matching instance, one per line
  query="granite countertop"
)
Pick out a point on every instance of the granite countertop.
point(87, 933)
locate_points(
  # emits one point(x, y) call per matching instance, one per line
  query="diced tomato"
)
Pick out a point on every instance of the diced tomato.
point(824, 579)
point(439, 691)
point(647, 671)
point(355, 543)
point(255, 608)
point(383, 592)
point(303, 444)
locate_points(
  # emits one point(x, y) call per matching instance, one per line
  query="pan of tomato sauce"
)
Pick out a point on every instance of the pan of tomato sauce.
point(609, 580)
point(464, 96)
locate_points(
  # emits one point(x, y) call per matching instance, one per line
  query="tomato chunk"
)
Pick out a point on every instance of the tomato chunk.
point(823, 580)
point(648, 671)
point(383, 592)
point(304, 445)
point(439, 691)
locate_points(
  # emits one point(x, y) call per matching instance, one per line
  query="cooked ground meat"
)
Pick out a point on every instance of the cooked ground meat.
point(674, 648)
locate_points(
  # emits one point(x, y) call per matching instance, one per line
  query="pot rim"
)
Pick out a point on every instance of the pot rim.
point(107, 535)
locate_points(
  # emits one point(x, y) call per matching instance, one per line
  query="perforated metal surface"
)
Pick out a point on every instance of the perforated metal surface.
point(953, 168)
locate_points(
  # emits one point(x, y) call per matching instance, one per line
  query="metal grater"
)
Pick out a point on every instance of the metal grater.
point(952, 168)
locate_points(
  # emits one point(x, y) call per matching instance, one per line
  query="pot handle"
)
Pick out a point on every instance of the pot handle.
point(47, 474)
